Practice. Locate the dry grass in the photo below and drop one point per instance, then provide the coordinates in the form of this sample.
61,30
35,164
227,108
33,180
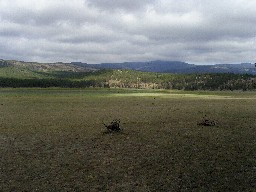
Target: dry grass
52,140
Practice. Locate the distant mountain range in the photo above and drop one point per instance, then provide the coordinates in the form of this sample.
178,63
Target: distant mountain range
175,67
145,75
151,66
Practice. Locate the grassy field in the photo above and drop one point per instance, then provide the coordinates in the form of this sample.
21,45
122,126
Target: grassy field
55,140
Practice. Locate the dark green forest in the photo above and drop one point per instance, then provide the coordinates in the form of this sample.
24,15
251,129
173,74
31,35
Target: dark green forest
128,79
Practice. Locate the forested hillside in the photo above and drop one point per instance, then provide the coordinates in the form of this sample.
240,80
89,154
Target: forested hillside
19,74
177,67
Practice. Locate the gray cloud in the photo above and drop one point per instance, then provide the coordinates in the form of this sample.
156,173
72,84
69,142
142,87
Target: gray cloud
127,5
93,31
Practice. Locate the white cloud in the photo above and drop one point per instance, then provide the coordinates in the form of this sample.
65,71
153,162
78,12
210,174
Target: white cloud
93,31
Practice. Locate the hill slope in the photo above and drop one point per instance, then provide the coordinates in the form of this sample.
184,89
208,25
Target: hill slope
178,67
21,74
151,66
20,69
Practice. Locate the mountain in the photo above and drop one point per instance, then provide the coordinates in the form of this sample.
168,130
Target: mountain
175,67
243,68
151,66
81,75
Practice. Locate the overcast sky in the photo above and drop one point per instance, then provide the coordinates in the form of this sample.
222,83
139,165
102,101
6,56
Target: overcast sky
96,31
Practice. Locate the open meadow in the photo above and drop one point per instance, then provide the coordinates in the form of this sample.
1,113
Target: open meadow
55,140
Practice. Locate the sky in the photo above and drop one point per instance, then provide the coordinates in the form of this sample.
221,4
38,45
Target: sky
98,31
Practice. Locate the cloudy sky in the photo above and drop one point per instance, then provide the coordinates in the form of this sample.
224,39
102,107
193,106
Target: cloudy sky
95,31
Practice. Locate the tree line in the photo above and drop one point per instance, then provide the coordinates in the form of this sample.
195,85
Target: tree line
140,80
213,81
44,83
